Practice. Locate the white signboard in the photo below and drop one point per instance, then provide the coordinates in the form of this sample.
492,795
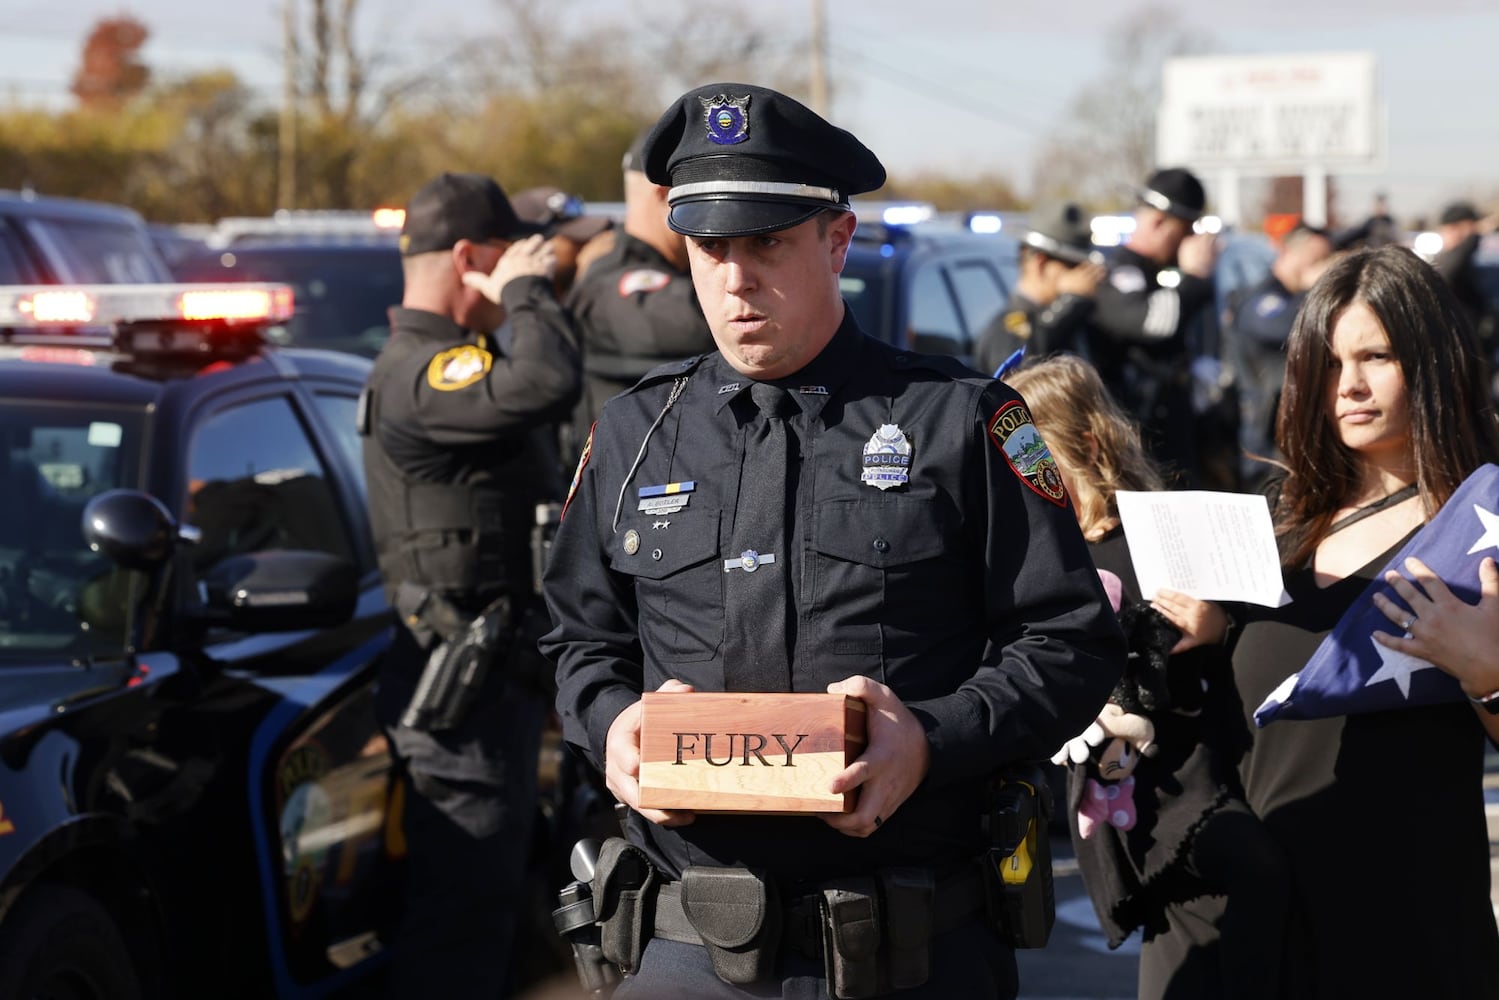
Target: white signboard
1270,114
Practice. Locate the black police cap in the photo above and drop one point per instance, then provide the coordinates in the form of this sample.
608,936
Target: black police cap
453,207
1061,231
742,160
1177,192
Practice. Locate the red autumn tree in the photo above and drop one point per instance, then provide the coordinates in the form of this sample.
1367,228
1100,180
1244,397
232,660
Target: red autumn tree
111,72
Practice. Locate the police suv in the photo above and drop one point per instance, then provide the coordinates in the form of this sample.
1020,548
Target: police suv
195,799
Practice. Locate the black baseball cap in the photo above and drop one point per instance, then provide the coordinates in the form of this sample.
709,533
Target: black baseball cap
453,207
1175,191
742,160
1062,231
559,213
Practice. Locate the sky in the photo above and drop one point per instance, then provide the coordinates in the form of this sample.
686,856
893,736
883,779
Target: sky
941,85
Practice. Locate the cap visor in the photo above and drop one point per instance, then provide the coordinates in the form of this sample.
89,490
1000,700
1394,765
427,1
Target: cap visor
738,217
581,229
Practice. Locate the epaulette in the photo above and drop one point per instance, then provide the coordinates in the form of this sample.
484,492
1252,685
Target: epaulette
670,370
940,363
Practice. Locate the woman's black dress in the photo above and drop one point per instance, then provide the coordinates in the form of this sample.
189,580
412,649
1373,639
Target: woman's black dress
1381,817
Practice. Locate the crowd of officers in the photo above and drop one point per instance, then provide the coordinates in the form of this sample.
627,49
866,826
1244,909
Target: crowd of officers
521,319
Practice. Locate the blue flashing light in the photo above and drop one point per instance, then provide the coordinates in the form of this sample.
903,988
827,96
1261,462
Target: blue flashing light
887,250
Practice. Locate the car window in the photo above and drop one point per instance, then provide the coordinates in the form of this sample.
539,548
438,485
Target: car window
934,326
15,267
56,596
255,482
96,252
981,295
341,413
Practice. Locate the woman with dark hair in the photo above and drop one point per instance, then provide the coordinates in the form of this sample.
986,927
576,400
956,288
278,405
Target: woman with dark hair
1385,411
1191,837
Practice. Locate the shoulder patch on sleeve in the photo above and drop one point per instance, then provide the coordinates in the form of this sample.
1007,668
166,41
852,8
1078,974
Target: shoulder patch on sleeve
458,367
1018,323
1015,435
644,279
578,474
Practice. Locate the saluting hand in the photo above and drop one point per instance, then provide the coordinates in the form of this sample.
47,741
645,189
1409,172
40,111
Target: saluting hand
531,257
622,763
1082,280
894,762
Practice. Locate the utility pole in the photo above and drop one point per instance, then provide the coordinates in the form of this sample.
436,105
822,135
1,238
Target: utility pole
286,176
820,97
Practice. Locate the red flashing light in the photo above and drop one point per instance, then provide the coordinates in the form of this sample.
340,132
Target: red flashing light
236,304
61,306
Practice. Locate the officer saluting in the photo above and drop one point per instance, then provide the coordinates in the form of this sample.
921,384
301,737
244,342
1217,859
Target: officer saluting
808,509
1048,311
455,459
1158,282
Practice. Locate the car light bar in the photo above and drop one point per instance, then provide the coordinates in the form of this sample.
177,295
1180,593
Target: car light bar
52,306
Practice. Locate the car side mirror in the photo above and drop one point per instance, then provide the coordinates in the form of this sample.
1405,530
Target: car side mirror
132,529
280,590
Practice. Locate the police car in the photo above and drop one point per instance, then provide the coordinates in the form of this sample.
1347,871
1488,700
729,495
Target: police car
194,797
927,286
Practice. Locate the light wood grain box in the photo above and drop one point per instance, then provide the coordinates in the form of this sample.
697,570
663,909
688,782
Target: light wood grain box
747,752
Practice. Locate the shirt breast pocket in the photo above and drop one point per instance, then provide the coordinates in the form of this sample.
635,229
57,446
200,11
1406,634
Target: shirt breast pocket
878,571
678,577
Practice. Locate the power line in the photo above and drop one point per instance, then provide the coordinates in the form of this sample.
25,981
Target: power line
943,94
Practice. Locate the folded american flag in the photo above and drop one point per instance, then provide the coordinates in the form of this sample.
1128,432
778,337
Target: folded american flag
1351,673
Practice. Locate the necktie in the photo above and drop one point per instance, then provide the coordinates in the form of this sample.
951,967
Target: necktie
757,656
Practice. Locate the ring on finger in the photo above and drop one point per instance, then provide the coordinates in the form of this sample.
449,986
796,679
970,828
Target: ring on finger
1410,620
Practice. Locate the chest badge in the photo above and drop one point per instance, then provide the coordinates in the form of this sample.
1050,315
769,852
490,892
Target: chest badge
632,542
887,458
667,498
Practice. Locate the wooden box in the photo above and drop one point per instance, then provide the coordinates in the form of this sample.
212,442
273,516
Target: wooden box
747,752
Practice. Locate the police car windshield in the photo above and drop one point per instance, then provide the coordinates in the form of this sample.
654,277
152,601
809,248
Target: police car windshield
56,597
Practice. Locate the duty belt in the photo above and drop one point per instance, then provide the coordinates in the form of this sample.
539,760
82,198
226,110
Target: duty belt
957,901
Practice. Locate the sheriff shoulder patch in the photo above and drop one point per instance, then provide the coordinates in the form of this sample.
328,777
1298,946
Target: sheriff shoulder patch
458,367
578,474
645,280
1015,434
1018,323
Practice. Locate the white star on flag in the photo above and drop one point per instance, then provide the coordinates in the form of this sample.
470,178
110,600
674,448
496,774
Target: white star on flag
1490,536
1396,666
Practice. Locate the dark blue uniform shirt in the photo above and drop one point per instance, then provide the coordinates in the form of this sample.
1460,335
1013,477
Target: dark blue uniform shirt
968,590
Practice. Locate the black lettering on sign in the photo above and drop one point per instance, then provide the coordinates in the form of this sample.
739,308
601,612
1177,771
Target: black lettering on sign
742,746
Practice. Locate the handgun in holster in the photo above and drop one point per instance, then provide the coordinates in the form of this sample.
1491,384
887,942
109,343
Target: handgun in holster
1017,867
575,921
457,666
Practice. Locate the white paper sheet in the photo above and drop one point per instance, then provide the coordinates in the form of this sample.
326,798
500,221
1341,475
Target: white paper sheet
1213,546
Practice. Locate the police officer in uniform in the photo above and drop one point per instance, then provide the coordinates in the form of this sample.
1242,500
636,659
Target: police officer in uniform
453,432
1157,284
635,307
1048,311
808,509
1259,321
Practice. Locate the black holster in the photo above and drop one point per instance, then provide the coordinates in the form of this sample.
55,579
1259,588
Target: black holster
737,912
877,932
458,666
